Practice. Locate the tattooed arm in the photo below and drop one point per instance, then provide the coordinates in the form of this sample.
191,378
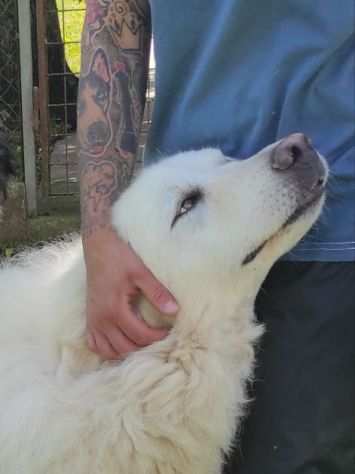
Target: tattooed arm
115,55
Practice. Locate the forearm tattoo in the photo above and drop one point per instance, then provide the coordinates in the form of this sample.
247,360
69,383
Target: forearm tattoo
115,57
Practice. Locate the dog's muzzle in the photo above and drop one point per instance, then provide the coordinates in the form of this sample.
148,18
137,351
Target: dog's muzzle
296,156
298,160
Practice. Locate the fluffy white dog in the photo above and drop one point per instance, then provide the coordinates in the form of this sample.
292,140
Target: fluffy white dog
209,228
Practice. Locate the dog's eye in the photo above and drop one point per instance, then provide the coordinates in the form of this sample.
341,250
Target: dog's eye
187,204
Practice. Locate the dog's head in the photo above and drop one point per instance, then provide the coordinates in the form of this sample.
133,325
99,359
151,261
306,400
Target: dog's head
208,226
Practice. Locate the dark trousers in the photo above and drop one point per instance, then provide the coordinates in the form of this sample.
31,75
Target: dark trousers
302,417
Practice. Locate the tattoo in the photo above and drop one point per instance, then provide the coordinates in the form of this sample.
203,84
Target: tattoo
128,105
95,130
111,102
99,190
126,20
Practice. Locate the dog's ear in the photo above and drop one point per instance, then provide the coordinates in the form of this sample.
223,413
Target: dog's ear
100,66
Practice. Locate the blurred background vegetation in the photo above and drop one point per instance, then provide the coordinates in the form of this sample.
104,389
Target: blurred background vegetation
73,23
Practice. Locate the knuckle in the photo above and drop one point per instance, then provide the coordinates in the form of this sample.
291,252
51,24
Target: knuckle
146,336
142,340
136,331
106,351
127,346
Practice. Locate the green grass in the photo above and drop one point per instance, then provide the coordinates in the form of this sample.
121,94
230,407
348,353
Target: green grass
71,30
41,229
47,228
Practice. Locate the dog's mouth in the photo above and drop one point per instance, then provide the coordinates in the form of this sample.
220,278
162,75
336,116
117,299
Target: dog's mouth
298,212
303,208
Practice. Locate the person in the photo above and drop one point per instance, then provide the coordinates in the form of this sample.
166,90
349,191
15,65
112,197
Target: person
233,74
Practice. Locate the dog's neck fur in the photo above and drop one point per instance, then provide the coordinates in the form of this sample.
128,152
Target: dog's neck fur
229,336
205,338
222,345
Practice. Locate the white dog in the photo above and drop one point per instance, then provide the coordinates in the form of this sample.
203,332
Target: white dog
209,228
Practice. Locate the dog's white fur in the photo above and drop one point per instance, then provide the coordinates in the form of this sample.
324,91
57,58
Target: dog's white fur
173,407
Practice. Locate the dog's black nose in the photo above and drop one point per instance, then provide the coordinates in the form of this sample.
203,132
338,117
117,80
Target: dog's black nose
291,149
296,153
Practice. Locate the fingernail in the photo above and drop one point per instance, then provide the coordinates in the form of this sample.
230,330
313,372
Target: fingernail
170,307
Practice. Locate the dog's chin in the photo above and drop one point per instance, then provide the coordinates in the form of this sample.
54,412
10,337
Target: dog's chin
298,223
292,230
308,210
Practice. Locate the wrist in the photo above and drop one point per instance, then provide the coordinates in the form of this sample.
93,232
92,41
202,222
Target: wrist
95,243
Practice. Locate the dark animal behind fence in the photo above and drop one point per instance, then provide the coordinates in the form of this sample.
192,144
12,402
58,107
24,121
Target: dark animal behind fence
7,169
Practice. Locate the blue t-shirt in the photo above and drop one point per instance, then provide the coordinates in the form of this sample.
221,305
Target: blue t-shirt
239,74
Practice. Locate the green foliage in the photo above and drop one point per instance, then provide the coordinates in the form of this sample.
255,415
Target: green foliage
71,18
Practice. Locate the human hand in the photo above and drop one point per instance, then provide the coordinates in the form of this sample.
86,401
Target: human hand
116,276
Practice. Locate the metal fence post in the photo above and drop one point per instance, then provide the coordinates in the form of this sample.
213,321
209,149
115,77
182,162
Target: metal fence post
29,154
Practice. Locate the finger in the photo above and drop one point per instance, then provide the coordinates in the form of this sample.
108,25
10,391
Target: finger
91,342
156,293
136,329
104,348
120,342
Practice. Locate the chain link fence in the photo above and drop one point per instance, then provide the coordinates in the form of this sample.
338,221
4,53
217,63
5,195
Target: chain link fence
56,32
63,24
10,86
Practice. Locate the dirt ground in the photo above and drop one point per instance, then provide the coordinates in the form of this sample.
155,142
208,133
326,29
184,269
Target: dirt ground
18,232
39,230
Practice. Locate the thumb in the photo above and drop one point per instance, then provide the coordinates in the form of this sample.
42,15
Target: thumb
157,294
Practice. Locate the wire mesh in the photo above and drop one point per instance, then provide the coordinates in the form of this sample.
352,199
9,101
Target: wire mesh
64,24
10,87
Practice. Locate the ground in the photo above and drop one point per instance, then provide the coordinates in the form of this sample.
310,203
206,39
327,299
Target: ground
18,232
63,215
40,229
